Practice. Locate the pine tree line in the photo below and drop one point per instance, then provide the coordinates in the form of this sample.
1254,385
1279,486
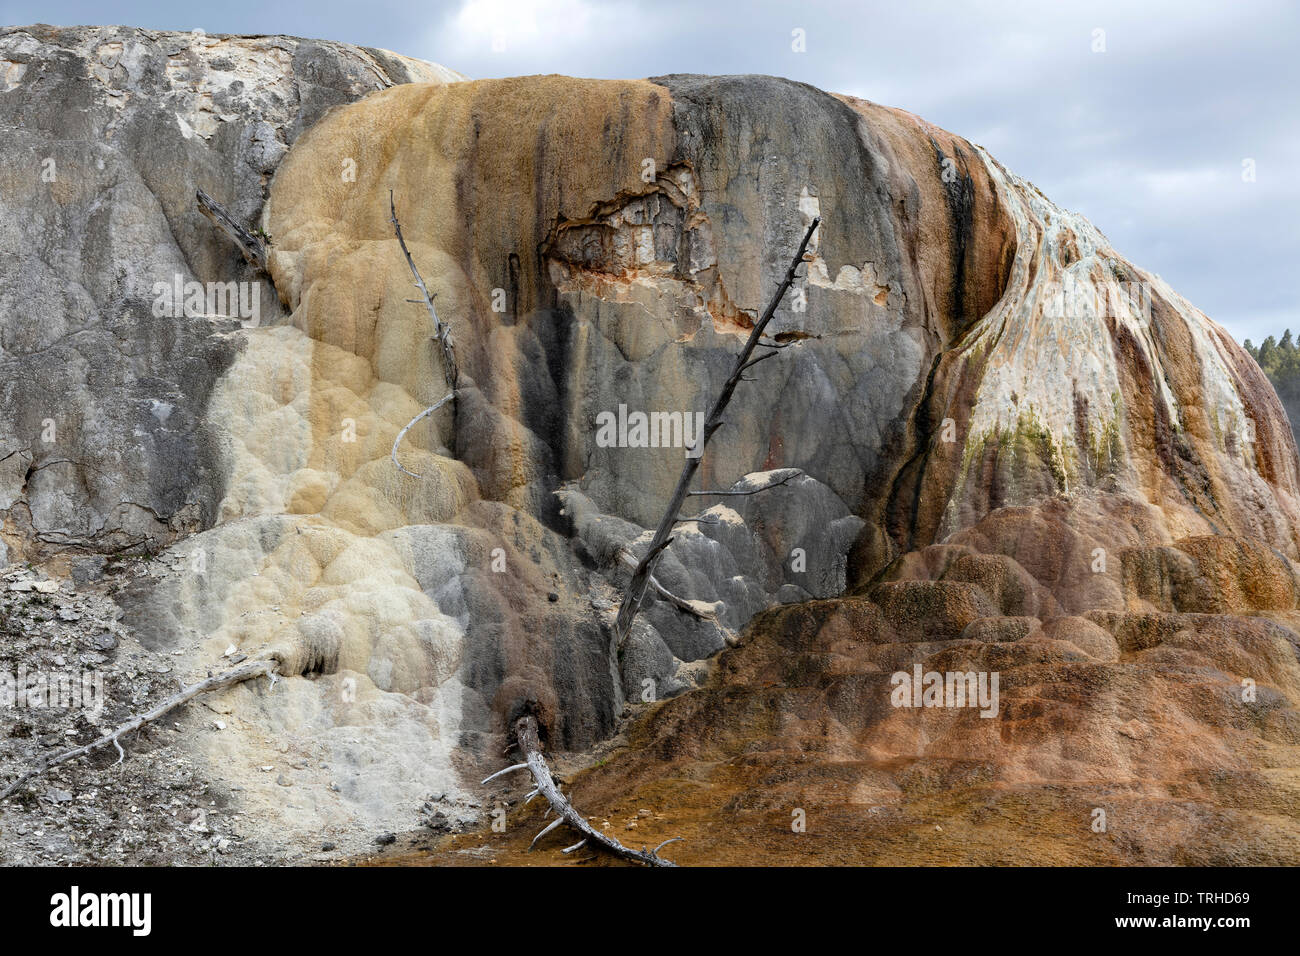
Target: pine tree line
1281,363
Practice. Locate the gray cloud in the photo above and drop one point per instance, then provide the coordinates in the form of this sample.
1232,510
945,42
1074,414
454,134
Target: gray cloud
1147,138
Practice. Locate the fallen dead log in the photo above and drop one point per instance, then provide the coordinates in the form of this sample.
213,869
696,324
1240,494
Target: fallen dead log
531,748
236,675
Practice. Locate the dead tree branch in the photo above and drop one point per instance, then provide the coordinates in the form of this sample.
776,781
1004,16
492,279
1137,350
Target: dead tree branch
635,592
701,518
235,675
531,748
441,330
402,434
699,609
752,362
252,247
788,474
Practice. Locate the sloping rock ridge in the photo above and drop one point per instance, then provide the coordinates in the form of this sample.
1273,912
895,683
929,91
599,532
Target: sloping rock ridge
1022,457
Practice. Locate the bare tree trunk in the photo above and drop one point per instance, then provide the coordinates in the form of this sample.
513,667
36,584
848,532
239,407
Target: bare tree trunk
635,592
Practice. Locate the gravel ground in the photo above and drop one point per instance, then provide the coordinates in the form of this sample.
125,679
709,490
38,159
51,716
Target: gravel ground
152,808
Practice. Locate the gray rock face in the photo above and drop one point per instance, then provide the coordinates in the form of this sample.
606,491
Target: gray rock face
736,559
109,131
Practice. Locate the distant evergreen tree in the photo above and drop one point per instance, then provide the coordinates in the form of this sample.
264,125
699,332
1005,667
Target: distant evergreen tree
1266,352
1280,361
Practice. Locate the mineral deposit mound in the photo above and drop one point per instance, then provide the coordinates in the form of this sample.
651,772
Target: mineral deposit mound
1023,462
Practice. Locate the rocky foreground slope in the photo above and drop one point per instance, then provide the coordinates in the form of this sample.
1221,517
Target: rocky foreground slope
1023,456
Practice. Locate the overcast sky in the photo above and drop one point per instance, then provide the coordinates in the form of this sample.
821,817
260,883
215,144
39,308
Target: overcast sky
1141,119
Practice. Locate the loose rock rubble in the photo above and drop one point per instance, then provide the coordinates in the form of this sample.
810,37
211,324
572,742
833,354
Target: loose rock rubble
152,808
